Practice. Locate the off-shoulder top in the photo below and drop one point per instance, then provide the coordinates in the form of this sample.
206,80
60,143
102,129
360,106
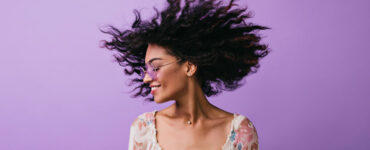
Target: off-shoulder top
143,134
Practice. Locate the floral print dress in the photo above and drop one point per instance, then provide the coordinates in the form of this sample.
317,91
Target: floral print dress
143,134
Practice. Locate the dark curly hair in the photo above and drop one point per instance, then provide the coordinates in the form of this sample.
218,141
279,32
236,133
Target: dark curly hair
212,36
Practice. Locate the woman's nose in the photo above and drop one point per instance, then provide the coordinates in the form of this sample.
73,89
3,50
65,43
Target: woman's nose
147,78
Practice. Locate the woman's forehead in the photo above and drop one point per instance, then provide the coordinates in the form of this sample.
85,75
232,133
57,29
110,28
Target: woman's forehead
155,53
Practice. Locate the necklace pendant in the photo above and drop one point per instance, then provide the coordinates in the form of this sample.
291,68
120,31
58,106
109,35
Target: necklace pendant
189,122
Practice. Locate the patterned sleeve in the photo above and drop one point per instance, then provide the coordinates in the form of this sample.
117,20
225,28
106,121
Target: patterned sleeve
132,143
246,137
138,134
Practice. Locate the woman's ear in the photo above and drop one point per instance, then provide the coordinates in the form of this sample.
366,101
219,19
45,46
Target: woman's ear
191,68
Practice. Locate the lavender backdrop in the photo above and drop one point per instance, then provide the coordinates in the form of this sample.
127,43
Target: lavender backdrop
60,91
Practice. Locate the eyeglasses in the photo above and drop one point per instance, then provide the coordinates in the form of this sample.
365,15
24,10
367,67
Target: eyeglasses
152,70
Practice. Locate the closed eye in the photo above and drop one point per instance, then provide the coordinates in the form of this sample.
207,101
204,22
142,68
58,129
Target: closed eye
155,68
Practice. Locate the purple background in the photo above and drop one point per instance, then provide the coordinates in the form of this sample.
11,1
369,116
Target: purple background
60,91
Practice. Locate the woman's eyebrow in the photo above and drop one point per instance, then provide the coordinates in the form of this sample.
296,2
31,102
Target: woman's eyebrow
151,60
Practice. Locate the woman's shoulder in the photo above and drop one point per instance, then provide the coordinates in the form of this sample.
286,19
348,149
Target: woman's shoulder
142,131
244,133
241,121
144,119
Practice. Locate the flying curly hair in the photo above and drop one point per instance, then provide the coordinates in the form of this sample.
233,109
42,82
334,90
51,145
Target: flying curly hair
213,36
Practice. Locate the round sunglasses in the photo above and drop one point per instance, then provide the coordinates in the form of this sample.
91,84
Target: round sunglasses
152,70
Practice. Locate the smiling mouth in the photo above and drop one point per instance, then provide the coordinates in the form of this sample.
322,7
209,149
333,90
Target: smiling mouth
153,89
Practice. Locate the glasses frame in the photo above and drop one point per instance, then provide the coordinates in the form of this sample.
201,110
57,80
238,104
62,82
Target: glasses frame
153,70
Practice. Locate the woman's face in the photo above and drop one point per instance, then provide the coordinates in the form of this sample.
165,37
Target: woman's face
171,78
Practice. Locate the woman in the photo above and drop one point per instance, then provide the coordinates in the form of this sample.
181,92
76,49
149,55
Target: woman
187,57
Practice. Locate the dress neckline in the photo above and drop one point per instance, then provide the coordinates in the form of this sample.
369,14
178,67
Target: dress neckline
227,138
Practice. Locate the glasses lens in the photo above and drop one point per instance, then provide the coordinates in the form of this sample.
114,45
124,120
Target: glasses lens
150,72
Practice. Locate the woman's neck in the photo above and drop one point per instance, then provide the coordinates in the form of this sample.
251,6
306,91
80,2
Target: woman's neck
192,106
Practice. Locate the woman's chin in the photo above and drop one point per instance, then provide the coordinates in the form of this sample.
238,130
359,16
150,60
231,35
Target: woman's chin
159,100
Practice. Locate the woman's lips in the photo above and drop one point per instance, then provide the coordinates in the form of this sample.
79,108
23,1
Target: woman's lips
153,90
